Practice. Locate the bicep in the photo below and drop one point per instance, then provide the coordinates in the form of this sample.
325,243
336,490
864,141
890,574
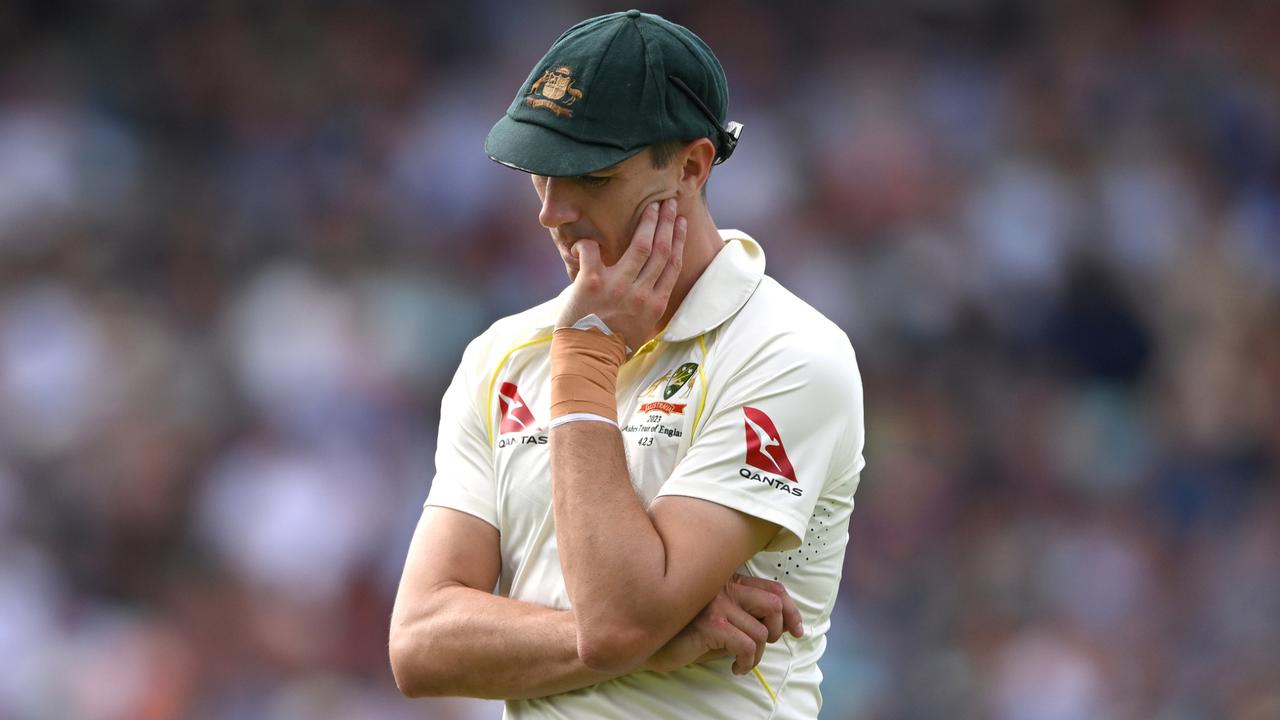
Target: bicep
449,547
705,544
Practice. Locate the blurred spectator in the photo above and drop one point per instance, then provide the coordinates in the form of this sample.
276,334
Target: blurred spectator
242,246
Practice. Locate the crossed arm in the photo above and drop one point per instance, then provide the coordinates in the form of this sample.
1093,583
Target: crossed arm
636,577
451,636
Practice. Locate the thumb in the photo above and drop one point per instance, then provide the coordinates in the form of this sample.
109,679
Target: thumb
588,252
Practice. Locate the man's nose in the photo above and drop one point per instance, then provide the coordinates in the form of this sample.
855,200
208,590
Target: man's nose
558,207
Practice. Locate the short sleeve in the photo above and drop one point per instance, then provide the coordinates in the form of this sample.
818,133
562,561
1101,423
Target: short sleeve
464,477
782,429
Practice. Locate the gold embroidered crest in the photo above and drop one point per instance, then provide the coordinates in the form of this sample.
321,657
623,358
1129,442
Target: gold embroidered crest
679,378
556,90
672,382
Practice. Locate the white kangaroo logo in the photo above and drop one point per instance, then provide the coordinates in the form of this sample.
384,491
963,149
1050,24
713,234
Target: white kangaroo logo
513,404
766,442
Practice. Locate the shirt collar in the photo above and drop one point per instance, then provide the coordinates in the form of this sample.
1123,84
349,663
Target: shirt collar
719,293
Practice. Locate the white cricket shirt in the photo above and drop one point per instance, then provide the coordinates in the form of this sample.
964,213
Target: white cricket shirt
750,398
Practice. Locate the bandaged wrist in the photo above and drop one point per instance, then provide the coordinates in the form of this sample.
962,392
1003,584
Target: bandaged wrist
584,373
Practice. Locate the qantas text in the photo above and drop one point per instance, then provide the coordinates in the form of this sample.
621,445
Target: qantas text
522,440
775,483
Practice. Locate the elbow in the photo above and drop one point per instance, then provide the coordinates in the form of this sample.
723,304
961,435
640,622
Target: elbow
615,649
409,680
415,675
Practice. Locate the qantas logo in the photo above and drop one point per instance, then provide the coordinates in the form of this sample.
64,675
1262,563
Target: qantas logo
516,416
764,445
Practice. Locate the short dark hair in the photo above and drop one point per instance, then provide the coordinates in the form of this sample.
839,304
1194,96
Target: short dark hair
662,153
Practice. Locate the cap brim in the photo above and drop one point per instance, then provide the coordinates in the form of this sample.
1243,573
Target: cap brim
535,149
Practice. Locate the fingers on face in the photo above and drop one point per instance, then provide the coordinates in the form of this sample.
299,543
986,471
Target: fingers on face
637,254
671,269
588,253
661,245
662,234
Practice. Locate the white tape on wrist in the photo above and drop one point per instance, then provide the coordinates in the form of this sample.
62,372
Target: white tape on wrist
576,417
593,321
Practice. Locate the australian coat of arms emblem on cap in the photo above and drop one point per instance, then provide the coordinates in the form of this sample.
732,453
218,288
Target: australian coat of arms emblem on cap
554,91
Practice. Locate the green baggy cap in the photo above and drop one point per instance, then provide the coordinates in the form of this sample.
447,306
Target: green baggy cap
609,87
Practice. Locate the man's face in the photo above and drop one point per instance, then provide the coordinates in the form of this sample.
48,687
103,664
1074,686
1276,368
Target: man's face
604,206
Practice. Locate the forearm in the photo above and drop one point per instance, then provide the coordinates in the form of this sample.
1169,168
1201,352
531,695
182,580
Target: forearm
472,643
613,557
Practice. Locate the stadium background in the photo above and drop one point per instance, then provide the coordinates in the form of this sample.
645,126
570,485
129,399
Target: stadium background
242,245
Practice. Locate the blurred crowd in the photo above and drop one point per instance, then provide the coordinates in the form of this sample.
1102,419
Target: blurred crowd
242,245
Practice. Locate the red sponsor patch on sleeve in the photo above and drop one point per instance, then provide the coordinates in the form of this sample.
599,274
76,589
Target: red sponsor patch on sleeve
764,445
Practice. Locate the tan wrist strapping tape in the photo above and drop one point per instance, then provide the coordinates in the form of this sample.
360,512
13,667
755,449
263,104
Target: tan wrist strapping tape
584,372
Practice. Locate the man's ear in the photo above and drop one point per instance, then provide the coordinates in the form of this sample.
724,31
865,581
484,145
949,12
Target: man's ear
695,162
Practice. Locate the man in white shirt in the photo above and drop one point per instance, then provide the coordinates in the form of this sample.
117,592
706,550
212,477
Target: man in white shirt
641,483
